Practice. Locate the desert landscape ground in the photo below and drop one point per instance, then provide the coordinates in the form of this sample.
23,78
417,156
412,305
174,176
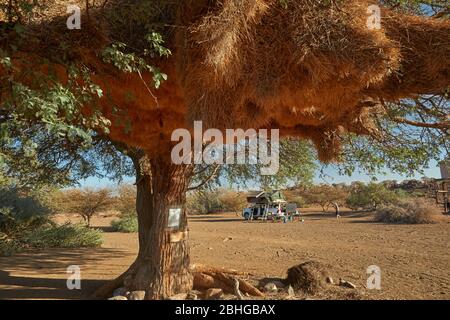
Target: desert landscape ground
414,259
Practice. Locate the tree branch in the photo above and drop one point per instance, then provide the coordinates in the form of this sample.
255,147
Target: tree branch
207,179
437,125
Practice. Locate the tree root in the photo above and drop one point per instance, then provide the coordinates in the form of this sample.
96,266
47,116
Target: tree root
205,269
208,277
205,277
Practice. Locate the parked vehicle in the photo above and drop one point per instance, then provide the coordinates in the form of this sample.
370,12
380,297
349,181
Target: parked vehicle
269,206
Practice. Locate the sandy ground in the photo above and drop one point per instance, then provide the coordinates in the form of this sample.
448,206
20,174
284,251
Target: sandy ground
414,259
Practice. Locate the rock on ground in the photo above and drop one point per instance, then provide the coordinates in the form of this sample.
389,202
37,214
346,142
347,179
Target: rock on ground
271,287
137,295
213,294
122,291
346,284
118,298
180,296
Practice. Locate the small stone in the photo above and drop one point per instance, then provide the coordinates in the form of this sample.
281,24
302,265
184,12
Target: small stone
279,284
213,294
291,291
118,298
192,296
122,291
270,287
346,284
180,296
227,239
136,295
330,280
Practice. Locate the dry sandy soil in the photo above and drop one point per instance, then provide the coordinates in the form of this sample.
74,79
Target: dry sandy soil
414,259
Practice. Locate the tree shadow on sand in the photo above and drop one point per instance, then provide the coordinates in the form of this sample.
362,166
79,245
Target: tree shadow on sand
43,274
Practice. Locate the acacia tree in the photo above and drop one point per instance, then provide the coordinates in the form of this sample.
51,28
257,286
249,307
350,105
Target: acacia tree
86,202
208,80
323,195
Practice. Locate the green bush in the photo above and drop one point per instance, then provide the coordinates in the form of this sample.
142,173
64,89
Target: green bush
9,247
372,196
25,223
127,224
415,211
21,213
64,236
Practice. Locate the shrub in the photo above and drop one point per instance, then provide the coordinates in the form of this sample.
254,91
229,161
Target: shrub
372,196
323,195
20,213
25,223
126,223
64,236
9,247
293,197
233,201
85,202
203,202
126,200
416,211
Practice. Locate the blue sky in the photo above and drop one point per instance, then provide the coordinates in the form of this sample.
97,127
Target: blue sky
331,176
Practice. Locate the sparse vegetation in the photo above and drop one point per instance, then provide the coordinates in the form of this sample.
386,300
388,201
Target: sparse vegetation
233,201
126,224
203,202
126,200
415,211
25,223
85,202
64,236
372,196
322,195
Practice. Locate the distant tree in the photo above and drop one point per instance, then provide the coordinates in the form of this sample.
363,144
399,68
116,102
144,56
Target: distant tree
324,195
203,202
85,202
371,196
126,200
233,201
293,196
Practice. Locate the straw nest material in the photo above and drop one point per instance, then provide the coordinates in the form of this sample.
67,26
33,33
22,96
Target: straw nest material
312,69
310,277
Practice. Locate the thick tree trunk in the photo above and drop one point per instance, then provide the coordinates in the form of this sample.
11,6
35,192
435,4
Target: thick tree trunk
162,265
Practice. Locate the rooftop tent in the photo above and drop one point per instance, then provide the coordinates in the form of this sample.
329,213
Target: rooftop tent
262,197
277,196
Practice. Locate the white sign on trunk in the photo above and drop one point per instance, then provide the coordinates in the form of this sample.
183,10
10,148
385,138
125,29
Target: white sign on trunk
174,218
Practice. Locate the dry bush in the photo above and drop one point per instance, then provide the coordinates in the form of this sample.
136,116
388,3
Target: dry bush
126,200
233,201
309,277
323,195
85,202
416,211
203,202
